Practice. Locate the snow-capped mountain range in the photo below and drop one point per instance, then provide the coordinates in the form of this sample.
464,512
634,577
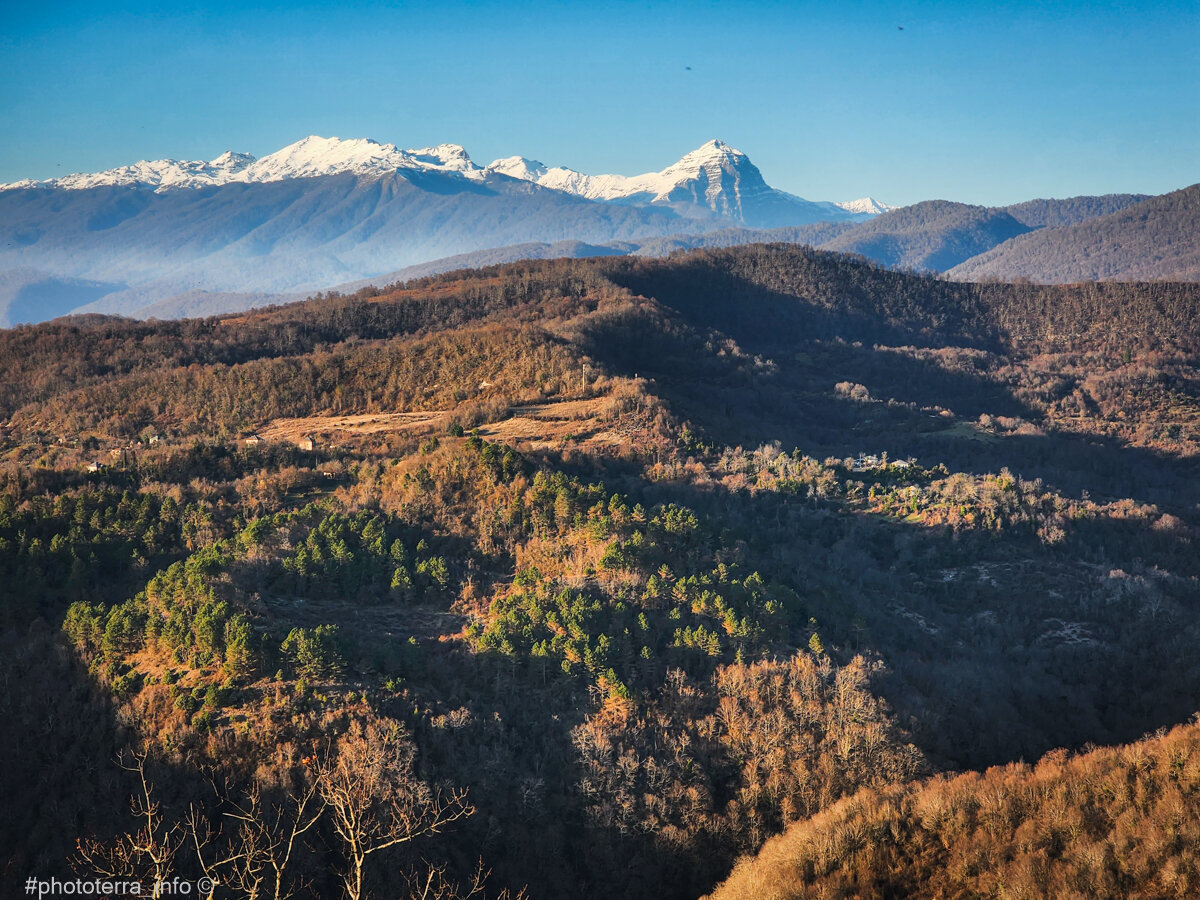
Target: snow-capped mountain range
713,176
313,157
326,211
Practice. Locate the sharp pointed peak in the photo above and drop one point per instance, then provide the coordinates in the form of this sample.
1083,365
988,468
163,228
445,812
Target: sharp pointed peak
714,147
232,158
865,206
709,153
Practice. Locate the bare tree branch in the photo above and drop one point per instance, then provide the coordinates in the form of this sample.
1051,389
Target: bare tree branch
375,801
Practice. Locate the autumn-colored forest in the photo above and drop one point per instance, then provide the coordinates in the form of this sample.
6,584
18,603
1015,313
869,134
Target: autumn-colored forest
592,578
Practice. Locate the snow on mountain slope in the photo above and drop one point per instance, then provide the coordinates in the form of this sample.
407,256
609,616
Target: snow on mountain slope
866,206
446,158
714,178
312,157
161,174
710,160
517,167
316,156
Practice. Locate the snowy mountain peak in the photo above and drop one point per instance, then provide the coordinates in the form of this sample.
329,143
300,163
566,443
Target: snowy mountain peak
315,156
311,157
232,161
866,206
449,157
703,164
713,151
715,171
517,167
442,152
715,176
160,174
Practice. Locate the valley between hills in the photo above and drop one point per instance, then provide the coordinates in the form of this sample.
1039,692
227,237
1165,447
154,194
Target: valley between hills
754,571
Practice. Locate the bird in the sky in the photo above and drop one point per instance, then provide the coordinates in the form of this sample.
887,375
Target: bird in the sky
689,68
900,27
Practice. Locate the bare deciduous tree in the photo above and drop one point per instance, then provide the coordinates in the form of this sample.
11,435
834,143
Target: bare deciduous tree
148,853
255,858
429,882
375,801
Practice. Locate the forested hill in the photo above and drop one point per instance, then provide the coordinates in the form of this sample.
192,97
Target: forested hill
589,576
1109,823
1153,239
934,235
1050,213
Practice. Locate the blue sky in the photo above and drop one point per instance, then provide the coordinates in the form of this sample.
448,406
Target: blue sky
981,102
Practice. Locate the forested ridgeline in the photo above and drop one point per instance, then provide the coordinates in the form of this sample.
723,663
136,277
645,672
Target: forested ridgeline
1151,240
844,296
931,235
45,360
1050,213
590,575
778,292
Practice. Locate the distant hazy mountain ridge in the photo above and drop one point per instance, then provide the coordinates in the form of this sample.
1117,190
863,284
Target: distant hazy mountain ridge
171,238
326,211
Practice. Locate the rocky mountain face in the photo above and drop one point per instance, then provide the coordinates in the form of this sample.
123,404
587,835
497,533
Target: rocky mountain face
715,178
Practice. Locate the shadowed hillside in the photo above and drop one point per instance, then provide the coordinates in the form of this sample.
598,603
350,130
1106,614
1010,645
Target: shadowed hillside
1153,239
597,573
934,235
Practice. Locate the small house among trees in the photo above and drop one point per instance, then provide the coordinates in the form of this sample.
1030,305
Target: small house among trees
307,442
866,462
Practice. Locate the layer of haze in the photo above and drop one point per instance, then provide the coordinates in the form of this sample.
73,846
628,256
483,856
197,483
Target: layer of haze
981,102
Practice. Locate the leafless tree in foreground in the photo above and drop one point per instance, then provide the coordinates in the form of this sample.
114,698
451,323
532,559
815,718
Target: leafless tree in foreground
254,860
429,882
365,786
375,801
146,855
